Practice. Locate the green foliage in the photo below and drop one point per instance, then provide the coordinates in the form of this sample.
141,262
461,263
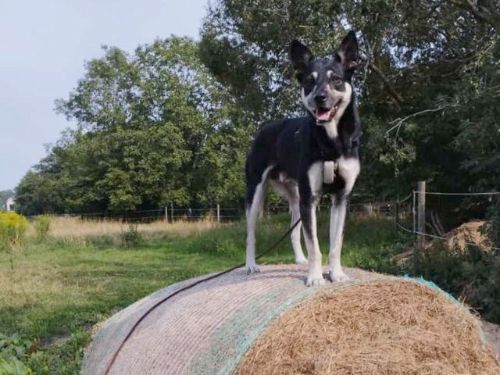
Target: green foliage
363,233
429,72
13,354
471,274
12,229
18,355
153,128
66,356
493,225
131,237
42,226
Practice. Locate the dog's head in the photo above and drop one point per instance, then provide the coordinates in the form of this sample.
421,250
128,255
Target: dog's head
326,82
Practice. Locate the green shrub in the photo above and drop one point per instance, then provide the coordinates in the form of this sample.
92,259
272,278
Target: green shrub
13,354
42,226
12,229
131,237
492,227
471,274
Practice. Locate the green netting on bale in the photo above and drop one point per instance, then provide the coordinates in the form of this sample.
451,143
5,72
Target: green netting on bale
204,330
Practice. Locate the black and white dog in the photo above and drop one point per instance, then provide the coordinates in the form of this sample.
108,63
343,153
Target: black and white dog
305,157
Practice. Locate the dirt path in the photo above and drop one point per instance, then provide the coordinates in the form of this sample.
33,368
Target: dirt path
492,332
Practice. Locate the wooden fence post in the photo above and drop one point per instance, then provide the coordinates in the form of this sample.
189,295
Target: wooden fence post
218,212
370,209
421,214
166,214
172,212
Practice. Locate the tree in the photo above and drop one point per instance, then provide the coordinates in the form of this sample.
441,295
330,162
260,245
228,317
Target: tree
427,66
153,128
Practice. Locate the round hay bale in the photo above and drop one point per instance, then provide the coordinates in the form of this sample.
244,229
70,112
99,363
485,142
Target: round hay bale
382,327
458,239
270,323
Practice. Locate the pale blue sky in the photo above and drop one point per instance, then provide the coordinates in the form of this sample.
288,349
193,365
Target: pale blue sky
43,47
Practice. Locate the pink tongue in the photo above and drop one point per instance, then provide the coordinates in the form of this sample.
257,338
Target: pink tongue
323,115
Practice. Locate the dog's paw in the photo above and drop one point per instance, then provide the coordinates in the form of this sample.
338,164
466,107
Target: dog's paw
252,268
339,276
315,281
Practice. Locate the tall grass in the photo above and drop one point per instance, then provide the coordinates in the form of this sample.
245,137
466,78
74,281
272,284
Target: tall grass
110,231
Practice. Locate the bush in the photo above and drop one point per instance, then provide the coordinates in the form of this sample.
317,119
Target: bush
42,226
493,225
13,352
12,229
131,237
471,274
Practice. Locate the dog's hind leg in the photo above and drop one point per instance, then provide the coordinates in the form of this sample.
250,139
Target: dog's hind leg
295,236
290,192
256,194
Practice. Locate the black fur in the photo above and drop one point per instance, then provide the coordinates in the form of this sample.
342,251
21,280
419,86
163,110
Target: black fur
292,146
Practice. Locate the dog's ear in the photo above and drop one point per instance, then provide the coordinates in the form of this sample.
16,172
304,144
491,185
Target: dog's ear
300,57
347,53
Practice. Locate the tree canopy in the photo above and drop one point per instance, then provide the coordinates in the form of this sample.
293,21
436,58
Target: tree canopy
173,121
153,128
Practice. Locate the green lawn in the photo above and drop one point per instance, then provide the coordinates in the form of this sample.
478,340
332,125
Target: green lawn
57,290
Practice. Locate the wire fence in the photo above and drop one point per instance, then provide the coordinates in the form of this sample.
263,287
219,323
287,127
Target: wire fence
218,213
443,212
442,216
167,214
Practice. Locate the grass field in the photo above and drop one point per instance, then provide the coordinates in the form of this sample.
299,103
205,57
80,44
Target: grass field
55,291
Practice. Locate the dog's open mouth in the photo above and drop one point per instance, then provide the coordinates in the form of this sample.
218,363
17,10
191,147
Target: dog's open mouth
326,114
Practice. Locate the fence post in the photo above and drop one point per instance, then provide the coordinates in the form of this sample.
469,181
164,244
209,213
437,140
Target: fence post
421,214
172,212
166,214
370,209
218,212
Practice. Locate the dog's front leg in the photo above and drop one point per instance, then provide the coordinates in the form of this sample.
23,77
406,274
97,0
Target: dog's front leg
310,188
337,221
348,169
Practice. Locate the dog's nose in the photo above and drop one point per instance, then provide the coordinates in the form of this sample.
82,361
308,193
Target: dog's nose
321,98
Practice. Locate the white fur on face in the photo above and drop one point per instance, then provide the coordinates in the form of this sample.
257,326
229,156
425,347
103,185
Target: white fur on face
345,96
331,127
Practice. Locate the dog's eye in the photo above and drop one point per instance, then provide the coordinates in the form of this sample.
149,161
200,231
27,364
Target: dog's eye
310,79
336,80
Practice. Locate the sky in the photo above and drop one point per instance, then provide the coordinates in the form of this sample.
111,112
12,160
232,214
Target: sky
43,48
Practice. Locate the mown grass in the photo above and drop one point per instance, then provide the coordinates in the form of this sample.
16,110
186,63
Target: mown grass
59,288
